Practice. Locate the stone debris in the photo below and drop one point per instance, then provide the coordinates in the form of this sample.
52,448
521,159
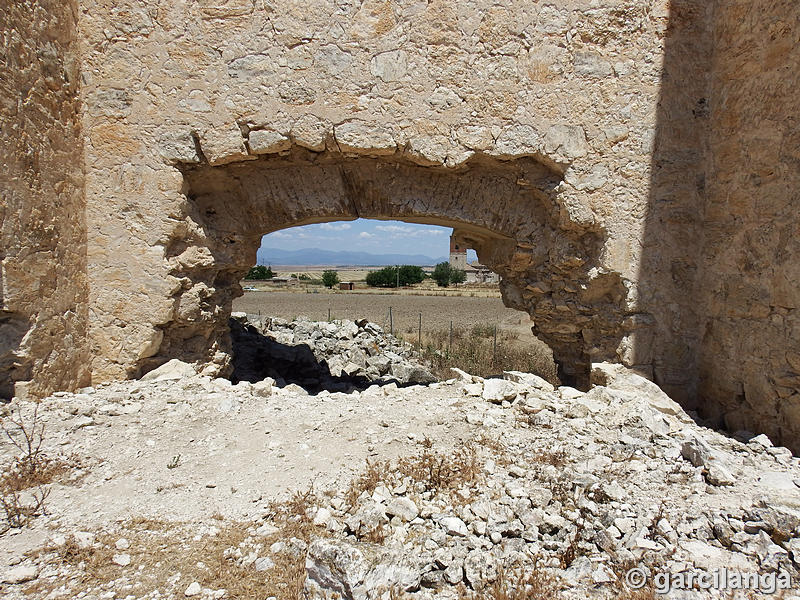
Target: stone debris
336,355
481,478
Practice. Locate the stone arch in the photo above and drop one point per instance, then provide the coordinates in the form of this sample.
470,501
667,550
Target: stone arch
509,211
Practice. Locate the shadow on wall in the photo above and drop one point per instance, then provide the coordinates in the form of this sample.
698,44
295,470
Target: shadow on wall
13,328
672,238
720,244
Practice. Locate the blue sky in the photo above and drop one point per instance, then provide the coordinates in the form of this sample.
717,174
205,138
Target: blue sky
366,235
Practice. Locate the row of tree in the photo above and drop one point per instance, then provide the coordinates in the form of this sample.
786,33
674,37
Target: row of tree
394,276
443,274
259,273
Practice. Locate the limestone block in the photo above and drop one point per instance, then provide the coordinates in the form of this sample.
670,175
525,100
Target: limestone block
267,141
476,137
171,370
518,140
587,179
223,145
426,150
361,137
389,66
311,132
333,59
590,64
564,143
178,147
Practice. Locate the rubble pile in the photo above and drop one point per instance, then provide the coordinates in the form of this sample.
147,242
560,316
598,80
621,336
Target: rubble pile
457,489
336,356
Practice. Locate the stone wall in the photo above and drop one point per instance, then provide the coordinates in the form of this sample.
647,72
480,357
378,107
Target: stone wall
629,167
749,368
43,287
437,85
668,278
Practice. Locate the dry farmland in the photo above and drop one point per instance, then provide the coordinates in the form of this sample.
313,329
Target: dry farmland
437,311
473,318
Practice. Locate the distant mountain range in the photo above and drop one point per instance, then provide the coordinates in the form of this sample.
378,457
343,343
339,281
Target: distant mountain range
317,257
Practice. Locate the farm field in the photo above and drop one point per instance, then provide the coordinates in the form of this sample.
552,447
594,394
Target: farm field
437,311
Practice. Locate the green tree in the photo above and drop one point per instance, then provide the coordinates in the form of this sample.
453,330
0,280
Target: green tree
330,278
411,274
457,276
389,276
442,273
385,277
260,272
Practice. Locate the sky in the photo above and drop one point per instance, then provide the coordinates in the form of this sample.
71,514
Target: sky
366,235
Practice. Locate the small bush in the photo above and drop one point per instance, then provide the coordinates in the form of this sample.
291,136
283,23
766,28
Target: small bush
23,491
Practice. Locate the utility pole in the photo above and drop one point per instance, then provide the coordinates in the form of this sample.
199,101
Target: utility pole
398,276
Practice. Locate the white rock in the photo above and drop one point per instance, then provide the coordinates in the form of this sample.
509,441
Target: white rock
716,463
84,539
194,589
528,380
403,508
473,389
263,563
267,141
454,526
618,377
264,387
123,560
172,370
389,66
322,517
762,442
569,393
267,529
480,568
777,480
465,377
365,138
335,566
20,574
497,390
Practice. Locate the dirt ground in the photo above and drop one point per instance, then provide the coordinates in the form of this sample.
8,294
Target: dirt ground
437,311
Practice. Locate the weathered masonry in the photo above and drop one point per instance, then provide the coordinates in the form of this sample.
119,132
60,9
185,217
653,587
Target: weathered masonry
629,167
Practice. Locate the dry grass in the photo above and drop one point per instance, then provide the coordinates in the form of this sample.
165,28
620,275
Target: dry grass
537,584
557,458
369,479
432,470
475,351
442,471
166,557
496,448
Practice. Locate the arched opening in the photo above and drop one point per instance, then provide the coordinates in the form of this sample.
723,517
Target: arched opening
398,307
507,210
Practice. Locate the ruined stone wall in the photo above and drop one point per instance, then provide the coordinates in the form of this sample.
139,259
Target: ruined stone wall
43,287
573,86
749,365
629,167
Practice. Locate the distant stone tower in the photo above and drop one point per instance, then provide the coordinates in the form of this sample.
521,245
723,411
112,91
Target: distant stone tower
458,255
